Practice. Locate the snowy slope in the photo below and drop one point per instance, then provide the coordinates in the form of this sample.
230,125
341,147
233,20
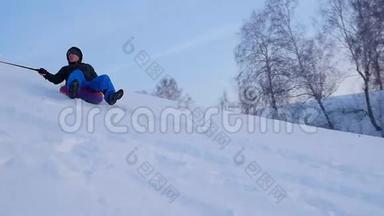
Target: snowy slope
47,171
347,113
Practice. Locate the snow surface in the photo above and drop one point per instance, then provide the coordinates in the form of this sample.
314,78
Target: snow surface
47,171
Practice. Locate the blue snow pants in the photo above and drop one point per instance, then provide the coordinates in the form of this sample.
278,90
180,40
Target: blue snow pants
101,83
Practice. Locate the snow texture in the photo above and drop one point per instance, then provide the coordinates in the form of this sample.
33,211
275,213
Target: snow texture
45,170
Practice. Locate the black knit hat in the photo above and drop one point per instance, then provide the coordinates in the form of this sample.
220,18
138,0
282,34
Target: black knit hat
76,51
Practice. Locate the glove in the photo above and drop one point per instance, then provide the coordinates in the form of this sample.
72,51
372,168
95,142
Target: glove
42,72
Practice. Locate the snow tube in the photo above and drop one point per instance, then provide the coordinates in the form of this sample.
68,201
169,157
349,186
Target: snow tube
86,94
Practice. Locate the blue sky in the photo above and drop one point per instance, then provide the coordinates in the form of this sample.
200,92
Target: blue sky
193,40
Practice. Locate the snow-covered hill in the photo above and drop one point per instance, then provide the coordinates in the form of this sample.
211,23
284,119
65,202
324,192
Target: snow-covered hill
51,166
347,113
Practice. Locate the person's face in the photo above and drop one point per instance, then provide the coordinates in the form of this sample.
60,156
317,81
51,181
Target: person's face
73,58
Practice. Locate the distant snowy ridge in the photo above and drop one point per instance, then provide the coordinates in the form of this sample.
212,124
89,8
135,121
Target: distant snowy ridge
347,113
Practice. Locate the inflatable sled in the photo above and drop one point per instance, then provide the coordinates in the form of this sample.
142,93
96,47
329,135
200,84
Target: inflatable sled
86,94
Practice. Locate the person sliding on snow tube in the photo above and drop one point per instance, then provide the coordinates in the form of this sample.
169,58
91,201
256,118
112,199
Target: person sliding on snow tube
80,75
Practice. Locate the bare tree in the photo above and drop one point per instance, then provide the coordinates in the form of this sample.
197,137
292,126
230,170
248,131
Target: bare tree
316,77
375,12
262,78
309,58
352,21
168,89
224,102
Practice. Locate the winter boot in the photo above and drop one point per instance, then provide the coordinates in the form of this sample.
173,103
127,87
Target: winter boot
115,96
74,89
